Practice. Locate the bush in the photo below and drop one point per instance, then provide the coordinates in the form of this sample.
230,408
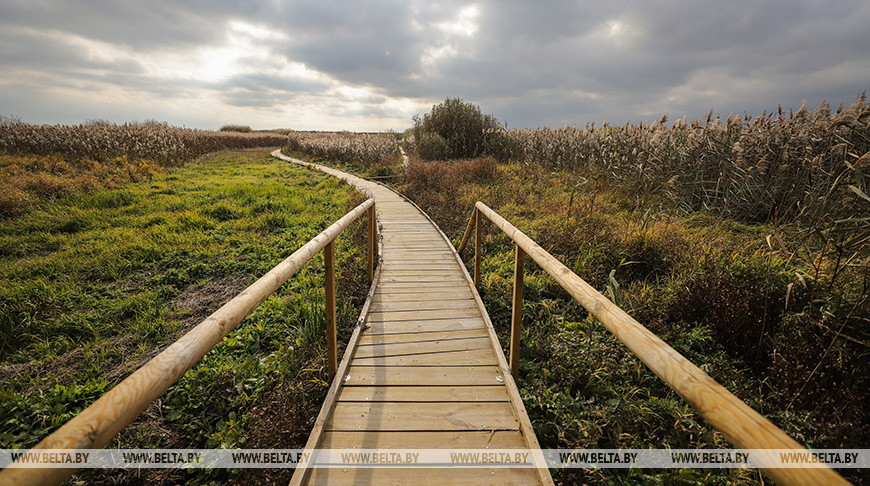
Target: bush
433,147
466,132
236,128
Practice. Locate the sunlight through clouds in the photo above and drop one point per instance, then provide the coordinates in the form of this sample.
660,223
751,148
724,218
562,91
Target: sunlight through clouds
372,65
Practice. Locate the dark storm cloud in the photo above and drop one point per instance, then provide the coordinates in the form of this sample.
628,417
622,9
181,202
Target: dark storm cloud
530,63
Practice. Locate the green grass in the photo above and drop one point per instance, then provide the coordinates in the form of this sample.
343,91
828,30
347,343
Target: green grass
92,286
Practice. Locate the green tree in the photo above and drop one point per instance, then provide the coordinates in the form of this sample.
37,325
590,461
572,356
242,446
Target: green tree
455,130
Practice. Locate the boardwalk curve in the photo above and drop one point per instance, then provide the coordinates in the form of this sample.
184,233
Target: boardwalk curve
425,370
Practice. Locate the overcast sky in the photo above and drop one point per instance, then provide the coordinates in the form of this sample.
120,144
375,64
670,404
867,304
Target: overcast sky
370,65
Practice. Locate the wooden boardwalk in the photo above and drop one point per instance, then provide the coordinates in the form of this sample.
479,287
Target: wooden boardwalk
425,371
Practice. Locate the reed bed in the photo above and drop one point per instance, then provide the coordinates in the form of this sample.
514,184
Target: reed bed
159,143
774,167
365,149
47,161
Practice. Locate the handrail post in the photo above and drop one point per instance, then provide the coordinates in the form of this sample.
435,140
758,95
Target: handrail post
467,233
372,243
477,255
331,333
517,315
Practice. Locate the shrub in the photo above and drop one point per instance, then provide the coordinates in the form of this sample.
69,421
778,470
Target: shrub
466,131
433,147
236,128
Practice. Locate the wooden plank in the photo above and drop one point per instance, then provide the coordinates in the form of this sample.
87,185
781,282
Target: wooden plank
423,375
441,294
422,346
418,246
408,220
491,393
413,341
421,264
441,252
446,274
388,326
412,264
393,247
426,314
411,256
470,357
445,295
421,267
408,295
404,236
446,439
432,258
454,279
422,304
367,339
388,287
398,281
428,241
414,416
423,476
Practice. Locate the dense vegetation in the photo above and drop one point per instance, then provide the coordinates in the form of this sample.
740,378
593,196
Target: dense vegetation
236,128
94,284
364,150
47,161
455,129
744,245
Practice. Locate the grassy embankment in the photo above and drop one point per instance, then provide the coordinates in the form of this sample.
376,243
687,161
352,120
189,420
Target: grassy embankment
95,282
741,245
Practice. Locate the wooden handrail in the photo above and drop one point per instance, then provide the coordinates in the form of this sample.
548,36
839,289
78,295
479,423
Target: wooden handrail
739,423
95,426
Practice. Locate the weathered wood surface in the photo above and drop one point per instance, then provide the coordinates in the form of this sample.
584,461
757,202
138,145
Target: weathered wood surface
426,370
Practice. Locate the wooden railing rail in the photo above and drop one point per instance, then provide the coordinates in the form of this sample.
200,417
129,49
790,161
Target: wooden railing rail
95,426
739,423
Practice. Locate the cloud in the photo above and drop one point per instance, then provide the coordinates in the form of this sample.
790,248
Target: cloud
372,65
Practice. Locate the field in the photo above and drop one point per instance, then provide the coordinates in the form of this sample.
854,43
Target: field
743,243
94,283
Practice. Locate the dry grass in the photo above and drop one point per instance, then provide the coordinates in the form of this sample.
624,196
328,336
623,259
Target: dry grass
774,167
159,143
364,149
48,161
